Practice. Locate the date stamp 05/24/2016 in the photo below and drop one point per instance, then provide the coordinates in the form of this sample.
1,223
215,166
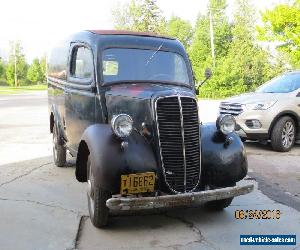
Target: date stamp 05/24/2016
265,214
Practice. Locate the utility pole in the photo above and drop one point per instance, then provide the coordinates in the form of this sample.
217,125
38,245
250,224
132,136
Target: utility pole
211,28
15,57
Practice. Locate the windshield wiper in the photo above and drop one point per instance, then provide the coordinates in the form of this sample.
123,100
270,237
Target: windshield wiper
151,57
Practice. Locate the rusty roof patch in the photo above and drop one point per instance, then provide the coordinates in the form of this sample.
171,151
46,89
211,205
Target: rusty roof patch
126,32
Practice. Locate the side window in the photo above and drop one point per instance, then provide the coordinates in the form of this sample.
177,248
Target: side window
180,70
82,63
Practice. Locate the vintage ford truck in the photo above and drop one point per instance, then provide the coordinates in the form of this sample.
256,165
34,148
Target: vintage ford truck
125,105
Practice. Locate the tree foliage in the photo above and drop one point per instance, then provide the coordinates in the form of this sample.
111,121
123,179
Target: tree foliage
241,64
16,56
282,24
2,69
43,65
200,50
140,15
34,73
180,29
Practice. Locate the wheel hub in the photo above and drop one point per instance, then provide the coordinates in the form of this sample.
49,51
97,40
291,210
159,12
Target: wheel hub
288,134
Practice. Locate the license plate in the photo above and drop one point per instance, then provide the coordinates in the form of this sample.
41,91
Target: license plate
137,183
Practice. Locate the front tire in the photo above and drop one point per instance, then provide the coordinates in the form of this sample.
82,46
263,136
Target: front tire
59,151
97,198
283,134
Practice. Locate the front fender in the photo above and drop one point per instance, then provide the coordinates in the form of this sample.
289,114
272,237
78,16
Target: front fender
223,163
109,161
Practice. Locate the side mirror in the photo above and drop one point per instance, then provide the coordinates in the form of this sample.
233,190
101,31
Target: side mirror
208,73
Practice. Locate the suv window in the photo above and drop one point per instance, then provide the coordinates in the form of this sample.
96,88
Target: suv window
82,63
282,84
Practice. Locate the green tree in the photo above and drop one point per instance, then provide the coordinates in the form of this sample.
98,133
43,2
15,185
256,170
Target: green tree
246,65
140,15
2,69
200,50
34,73
43,64
16,56
180,29
282,24
241,64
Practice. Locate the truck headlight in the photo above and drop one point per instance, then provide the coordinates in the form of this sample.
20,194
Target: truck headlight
226,124
259,105
121,125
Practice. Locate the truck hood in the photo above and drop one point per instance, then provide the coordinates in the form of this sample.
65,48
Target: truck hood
145,91
136,100
253,97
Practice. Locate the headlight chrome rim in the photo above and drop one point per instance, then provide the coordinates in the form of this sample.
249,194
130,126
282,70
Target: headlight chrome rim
115,122
221,122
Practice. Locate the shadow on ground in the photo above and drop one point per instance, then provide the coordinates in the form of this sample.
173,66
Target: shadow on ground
259,148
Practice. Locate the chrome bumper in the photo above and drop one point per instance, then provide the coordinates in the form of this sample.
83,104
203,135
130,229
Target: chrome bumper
185,199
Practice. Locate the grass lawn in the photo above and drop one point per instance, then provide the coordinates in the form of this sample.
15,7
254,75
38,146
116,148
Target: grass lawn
7,90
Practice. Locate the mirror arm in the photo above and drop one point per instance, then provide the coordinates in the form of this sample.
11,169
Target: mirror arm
201,83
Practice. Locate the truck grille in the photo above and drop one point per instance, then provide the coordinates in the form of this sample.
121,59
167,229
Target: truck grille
230,108
179,135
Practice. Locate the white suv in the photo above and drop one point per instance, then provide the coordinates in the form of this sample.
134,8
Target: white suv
272,112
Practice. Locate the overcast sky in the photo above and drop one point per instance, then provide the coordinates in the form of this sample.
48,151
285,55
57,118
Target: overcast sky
39,24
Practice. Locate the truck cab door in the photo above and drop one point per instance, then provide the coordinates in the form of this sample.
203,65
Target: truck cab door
80,95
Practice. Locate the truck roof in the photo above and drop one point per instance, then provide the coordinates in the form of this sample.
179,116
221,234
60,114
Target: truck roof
126,32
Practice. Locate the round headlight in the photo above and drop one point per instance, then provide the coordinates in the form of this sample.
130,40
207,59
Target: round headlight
226,123
121,125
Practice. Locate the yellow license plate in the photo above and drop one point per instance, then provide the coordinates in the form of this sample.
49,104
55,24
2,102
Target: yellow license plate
137,183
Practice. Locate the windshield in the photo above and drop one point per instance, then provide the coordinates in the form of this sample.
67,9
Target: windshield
281,84
143,65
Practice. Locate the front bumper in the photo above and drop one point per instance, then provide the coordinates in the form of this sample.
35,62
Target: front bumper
265,117
177,200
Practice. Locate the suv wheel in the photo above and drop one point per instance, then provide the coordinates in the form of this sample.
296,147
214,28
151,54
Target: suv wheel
283,134
59,151
97,198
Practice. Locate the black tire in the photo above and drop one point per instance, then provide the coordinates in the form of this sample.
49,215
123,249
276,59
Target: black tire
243,139
218,204
59,150
278,133
97,198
